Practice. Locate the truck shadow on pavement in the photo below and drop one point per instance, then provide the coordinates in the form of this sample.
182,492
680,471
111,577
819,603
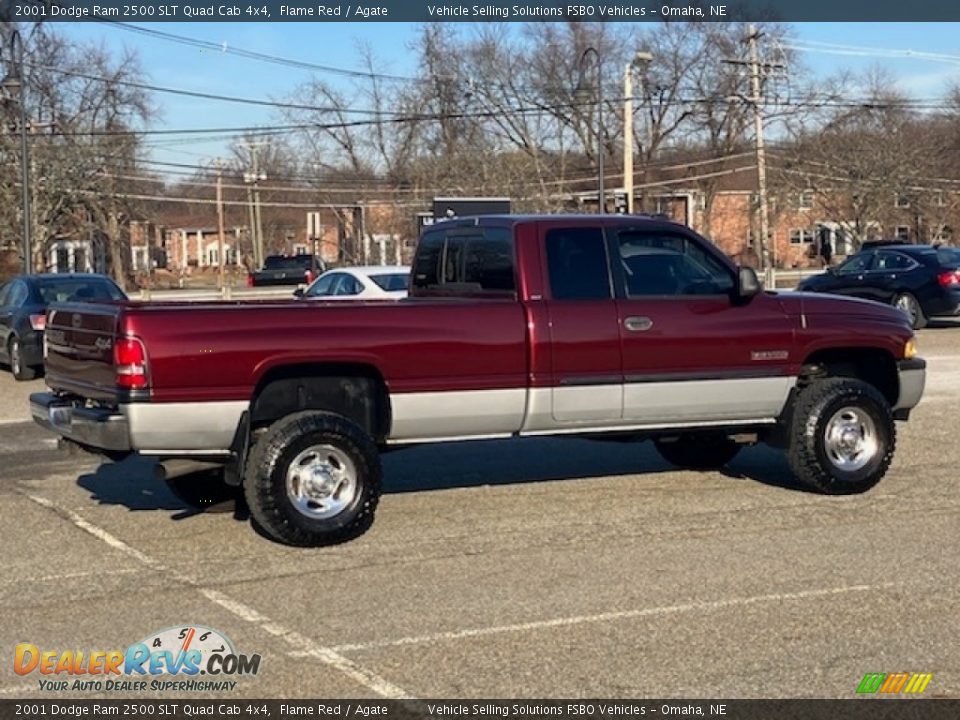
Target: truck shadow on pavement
134,484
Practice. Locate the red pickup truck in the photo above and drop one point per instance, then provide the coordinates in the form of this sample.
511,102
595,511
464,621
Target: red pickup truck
619,327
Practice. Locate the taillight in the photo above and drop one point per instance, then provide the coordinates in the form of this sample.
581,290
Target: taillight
308,276
130,363
949,279
249,280
38,322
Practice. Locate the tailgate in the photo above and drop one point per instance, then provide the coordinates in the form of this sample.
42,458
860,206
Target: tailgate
79,340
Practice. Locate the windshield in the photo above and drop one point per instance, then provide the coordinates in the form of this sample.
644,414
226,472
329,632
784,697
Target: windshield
394,282
78,289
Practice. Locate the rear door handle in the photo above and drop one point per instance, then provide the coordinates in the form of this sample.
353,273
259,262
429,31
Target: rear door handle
637,323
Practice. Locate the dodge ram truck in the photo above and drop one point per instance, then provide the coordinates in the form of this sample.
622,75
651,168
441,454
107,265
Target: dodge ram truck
617,327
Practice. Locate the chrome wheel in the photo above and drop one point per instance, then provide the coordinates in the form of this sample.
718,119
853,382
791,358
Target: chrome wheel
851,439
907,305
321,482
15,361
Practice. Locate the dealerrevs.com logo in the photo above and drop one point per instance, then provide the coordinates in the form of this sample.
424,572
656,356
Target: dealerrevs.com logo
178,659
899,683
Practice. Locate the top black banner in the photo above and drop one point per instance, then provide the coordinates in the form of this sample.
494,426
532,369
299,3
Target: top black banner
483,11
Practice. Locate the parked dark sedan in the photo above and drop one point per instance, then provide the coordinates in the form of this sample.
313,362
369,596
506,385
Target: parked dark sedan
287,270
23,307
921,280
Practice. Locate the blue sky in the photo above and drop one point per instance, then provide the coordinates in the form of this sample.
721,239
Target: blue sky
335,44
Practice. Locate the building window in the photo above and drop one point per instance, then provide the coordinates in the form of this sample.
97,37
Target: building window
799,236
300,250
805,200
944,233
903,233
902,201
939,199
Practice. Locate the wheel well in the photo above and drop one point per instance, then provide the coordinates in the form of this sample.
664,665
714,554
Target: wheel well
357,392
872,365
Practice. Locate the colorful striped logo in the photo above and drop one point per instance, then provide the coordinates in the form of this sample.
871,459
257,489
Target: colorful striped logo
894,683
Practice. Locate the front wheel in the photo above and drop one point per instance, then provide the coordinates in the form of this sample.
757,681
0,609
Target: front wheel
911,308
313,479
842,436
698,451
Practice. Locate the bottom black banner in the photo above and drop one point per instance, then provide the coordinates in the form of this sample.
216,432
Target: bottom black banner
853,709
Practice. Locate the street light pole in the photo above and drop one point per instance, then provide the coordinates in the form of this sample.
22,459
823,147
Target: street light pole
15,83
581,92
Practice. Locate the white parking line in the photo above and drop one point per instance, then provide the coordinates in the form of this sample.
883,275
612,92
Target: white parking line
66,576
607,617
304,646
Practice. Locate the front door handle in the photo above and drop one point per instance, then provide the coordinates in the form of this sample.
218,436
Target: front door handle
637,323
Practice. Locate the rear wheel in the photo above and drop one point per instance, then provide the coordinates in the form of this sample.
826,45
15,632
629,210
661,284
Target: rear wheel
911,308
313,479
698,451
842,436
20,370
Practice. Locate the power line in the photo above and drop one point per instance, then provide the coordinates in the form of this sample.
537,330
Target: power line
226,48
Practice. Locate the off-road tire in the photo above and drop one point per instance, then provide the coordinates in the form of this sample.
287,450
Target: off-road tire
265,480
20,370
698,451
919,320
815,407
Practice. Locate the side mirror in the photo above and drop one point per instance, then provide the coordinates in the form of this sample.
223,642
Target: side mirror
298,293
831,270
748,284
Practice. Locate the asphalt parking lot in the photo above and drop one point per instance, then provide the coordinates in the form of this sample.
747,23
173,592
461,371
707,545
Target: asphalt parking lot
541,568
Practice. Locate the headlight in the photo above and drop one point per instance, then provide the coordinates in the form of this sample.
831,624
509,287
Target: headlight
910,349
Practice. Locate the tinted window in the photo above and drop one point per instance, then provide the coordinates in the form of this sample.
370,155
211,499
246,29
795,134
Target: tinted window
17,295
655,264
577,264
893,261
948,256
322,286
465,259
488,260
347,285
427,264
78,290
282,262
856,264
393,282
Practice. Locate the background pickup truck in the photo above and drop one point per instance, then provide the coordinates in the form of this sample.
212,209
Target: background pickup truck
620,327
287,270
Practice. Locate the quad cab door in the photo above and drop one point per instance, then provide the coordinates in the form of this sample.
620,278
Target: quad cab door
693,352
587,379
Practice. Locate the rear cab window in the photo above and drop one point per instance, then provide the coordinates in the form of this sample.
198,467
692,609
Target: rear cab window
466,261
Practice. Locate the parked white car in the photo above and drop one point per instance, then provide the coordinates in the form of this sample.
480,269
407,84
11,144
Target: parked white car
366,282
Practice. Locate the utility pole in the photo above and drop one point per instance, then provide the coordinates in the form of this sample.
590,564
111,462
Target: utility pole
757,68
253,177
224,290
756,99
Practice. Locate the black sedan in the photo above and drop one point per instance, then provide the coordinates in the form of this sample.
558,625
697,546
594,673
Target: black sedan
23,307
921,280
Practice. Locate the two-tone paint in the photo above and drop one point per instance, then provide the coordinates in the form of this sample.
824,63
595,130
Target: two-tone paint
457,368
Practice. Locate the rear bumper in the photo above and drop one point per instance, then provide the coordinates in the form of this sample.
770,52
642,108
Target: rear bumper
93,427
913,376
